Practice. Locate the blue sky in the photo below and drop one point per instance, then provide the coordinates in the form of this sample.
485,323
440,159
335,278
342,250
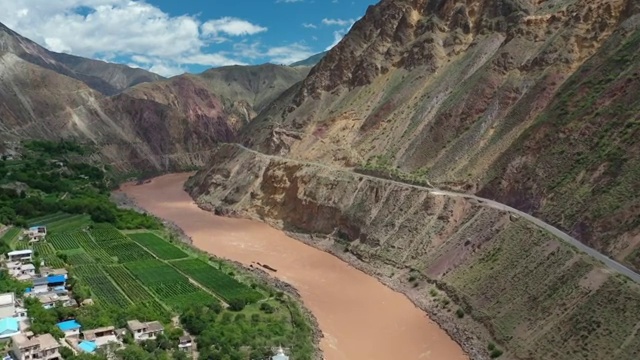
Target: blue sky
175,36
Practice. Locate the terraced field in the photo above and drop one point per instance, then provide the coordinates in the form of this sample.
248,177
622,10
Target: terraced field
132,287
10,235
159,247
69,223
126,251
105,292
68,241
217,281
168,284
79,258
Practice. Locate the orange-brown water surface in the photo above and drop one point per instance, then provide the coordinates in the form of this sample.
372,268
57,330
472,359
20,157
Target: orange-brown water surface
360,317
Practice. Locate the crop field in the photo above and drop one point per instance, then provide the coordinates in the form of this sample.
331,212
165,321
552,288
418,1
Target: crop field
68,241
106,293
102,233
79,258
75,222
96,251
132,287
168,284
53,261
126,251
48,219
43,249
10,235
217,281
158,246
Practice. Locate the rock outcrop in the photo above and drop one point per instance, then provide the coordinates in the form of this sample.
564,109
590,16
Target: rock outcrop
514,284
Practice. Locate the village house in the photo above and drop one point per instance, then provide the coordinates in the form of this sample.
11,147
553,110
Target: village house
21,271
101,336
36,233
47,271
70,328
9,327
24,256
144,330
42,347
7,305
50,299
12,316
185,343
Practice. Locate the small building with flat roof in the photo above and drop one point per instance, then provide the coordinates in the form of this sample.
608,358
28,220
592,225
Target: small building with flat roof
87,346
185,343
20,255
7,305
70,328
145,330
9,327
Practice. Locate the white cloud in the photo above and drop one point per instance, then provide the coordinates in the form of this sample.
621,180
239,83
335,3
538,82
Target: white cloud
131,31
309,26
337,22
285,54
340,33
231,26
288,1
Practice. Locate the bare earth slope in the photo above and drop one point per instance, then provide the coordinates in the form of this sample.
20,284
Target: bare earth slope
532,103
520,287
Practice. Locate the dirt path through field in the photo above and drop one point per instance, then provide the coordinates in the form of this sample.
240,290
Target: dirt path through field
361,318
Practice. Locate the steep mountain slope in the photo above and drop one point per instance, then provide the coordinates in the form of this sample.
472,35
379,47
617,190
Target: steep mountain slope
484,275
530,102
104,77
258,85
132,134
160,126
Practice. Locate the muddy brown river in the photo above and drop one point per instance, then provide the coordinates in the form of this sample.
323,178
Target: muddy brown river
361,319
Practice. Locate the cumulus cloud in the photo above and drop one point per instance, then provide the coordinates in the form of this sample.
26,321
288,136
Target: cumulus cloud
231,26
309,26
337,22
130,31
286,54
288,1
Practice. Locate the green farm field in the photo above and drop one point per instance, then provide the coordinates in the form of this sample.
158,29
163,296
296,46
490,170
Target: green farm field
159,247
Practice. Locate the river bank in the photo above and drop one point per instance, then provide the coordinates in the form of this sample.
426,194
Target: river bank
360,317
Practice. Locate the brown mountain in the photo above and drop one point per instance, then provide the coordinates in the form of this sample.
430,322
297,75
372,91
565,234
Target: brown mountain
167,124
529,102
104,77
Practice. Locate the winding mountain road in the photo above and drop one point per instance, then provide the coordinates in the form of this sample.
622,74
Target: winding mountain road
607,261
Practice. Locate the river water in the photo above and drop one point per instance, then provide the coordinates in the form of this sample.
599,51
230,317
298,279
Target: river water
361,319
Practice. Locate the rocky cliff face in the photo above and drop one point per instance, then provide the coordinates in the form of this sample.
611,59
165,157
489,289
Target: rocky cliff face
518,286
529,102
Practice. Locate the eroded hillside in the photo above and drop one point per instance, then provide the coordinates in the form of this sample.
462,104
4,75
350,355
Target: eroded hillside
520,287
154,126
529,102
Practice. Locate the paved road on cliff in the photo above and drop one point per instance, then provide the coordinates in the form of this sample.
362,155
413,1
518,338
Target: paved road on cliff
616,266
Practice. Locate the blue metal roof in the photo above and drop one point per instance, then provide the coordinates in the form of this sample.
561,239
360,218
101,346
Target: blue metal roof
52,279
87,346
9,325
68,325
